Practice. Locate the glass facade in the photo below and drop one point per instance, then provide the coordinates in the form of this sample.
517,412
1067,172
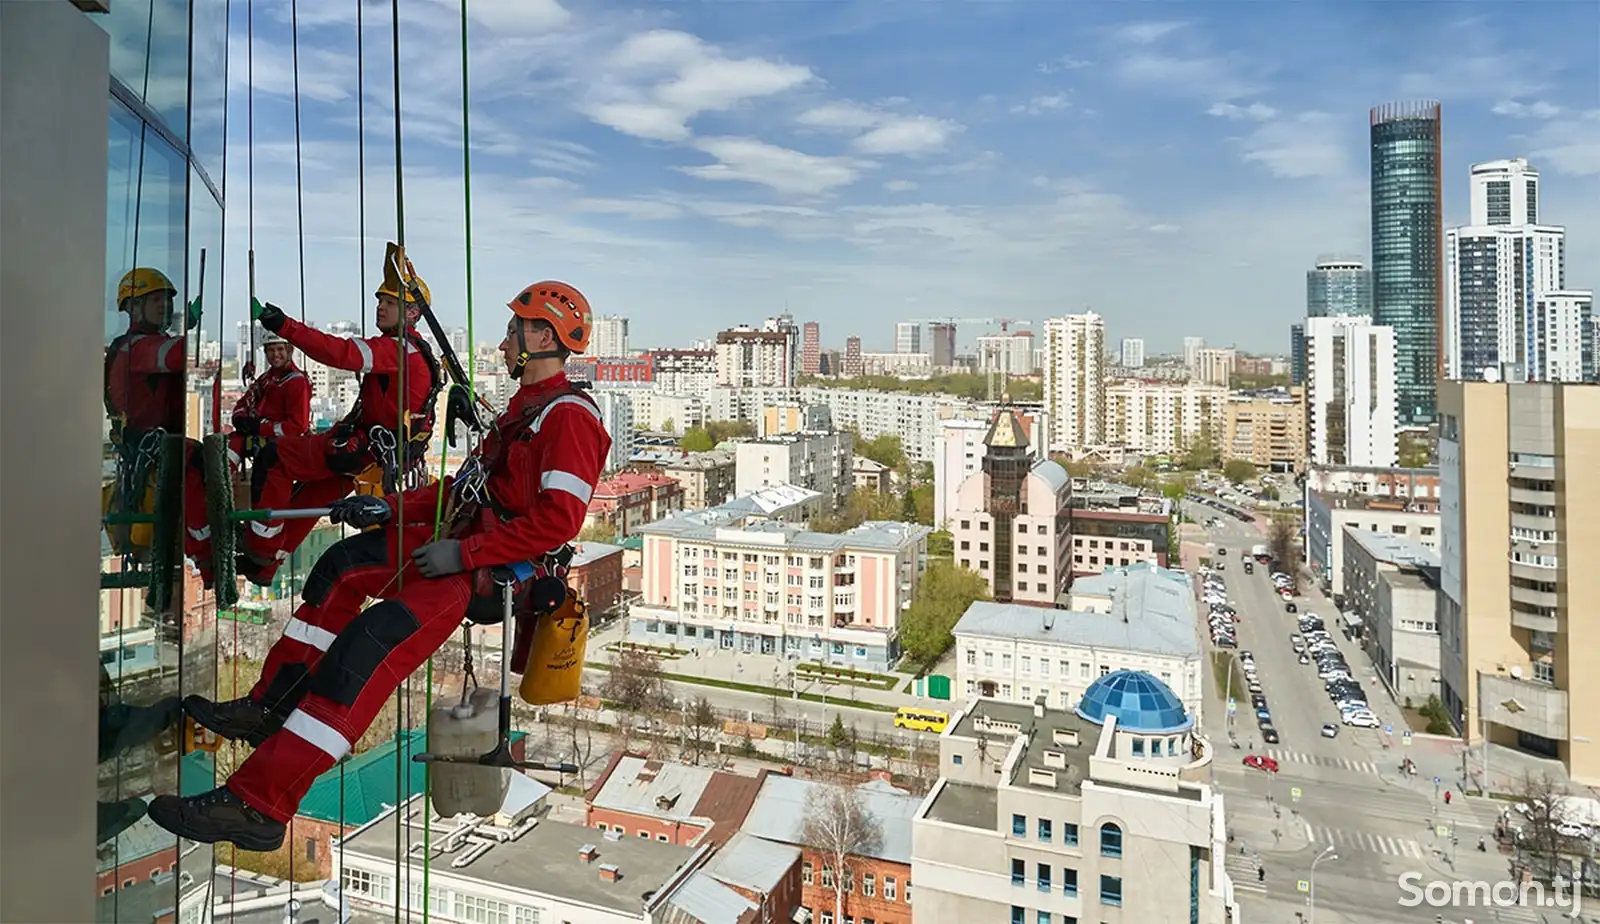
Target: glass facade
157,634
1407,268
1343,288
1297,354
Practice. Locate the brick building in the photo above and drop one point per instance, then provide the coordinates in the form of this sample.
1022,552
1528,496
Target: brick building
596,575
669,802
630,500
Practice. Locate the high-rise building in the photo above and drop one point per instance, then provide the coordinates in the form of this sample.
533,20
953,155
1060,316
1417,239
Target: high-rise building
784,324
1268,431
1132,353
1162,418
1517,546
958,453
616,412
1074,380
1191,348
1024,557
749,358
610,337
1407,252
851,366
908,337
943,336
1507,307
1505,192
1297,354
1338,286
1007,354
811,348
1350,392
1214,365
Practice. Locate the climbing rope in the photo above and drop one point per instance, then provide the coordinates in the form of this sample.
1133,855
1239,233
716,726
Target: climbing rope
403,692
300,234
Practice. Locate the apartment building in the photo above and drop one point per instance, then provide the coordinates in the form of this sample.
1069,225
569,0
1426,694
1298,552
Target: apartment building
707,477
750,358
1351,410
1006,354
723,577
1328,515
872,476
912,417
1074,380
1391,585
959,455
616,414
630,500
595,575
1162,418
671,412
1266,430
879,884
821,462
1104,539
1521,533
901,365
684,372
1012,521
1215,365
1019,653
1414,487
1101,814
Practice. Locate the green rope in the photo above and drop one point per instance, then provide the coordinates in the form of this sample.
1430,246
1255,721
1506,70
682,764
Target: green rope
402,777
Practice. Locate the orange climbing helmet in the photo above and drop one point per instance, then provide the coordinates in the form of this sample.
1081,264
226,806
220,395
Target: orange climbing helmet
561,306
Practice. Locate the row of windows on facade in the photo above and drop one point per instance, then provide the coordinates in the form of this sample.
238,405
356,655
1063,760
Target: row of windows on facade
809,875
815,562
966,546
1110,886
1022,568
731,613
1063,666
983,526
461,906
770,598
708,632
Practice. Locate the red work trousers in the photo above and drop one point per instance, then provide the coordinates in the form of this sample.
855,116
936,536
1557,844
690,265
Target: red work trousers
196,521
352,659
292,471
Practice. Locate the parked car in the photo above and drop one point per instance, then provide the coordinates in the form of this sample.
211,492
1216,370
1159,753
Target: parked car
1261,762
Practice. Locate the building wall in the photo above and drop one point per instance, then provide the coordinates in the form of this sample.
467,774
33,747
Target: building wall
1269,433
822,462
706,482
1350,396
1162,418
822,900
1022,670
1326,521
1410,648
131,872
1415,487
1106,538
1046,525
680,833
598,582
1074,380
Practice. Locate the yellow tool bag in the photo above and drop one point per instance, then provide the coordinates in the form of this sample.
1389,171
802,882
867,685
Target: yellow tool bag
129,538
552,671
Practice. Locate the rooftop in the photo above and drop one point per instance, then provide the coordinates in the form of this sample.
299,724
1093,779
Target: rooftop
631,482
1059,741
698,461
1052,474
711,525
589,552
769,501
1350,500
1395,550
1151,610
1140,703
364,786
752,863
543,860
676,792
967,805
701,899
864,464
780,811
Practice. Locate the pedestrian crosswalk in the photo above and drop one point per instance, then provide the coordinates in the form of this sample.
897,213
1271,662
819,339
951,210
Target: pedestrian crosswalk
1284,756
1242,870
1519,914
1369,842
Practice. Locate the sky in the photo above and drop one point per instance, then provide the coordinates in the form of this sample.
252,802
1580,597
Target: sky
692,166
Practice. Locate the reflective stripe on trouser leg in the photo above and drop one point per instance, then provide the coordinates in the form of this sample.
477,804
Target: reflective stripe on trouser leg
278,774
279,468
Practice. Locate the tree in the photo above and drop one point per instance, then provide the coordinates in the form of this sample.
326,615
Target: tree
941,544
943,595
1140,477
1540,848
1416,450
635,685
839,827
720,430
580,719
884,449
696,439
699,734
1281,537
1238,471
1202,454
919,505
860,507
669,425
598,531
1077,468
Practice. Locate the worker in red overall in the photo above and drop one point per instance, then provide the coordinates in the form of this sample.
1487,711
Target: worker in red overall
315,470
521,496
277,404
144,399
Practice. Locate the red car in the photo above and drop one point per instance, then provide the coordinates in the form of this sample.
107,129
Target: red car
1260,762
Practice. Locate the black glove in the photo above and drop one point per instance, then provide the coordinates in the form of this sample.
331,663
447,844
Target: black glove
459,406
247,426
439,559
360,511
272,317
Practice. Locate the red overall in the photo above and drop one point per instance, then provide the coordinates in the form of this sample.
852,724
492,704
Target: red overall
280,402
350,661
315,470
145,387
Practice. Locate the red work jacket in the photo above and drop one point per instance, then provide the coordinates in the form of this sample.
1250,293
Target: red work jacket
377,360
545,482
280,399
144,380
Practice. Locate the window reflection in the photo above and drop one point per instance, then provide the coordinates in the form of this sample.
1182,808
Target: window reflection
150,54
209,99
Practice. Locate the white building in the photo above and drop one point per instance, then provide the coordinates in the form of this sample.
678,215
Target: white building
616,412
1351,411
1163,418
914,418
1214,365
784,324
1036,551
750,358
1559,349
907,337
661,410
959,456
1138,617
684,372
724,578
1006,354
1504,192
821,462
1133,353
1074,383
909,365
1191,350
610,337
1105,813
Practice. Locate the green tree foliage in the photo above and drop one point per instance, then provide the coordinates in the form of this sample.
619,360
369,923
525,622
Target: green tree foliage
1174,489
861,507
1202,454
922,473
838,734
1238,471
1076,468
941,544
721,430
885,449
696,439
960,384
919,504
598,531
942,597
669,425
1416,450
1140,477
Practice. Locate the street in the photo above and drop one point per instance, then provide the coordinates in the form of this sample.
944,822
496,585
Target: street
1341,799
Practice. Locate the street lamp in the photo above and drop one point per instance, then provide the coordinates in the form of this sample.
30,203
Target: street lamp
1326,854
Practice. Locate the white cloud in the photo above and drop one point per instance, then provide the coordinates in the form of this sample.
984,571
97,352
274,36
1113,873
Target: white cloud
899,186
1064,63
782,169
562,156
1163,228
658,82
1053,102
1204,77
633,209
1570,146
1307,145
517,17
1146,33
882,133
1538,109
1255,112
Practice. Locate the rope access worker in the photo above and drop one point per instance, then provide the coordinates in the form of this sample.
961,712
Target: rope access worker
521,496
144,400
277,404
314,470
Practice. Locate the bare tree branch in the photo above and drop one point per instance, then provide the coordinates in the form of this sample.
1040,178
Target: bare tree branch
839,827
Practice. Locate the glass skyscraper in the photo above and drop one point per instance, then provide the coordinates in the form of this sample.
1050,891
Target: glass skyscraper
1338,287
1407,267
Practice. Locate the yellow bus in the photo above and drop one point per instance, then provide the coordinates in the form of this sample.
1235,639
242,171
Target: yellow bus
920,719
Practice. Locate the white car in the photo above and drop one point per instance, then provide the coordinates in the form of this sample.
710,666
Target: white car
1569,829
1362,720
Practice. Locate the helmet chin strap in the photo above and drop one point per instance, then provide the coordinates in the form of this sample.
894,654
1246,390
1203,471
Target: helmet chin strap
524,355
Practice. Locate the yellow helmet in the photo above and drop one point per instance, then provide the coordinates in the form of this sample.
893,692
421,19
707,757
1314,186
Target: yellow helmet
142,281
409,300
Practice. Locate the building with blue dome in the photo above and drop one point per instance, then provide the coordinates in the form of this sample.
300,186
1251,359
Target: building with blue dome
1140,702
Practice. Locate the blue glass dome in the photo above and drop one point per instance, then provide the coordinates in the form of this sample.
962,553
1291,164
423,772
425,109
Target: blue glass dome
1140,702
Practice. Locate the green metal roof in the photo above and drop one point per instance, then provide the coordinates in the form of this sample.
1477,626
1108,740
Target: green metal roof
369,782
632,543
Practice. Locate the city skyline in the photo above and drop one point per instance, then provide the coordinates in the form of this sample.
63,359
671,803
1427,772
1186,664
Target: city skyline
784,170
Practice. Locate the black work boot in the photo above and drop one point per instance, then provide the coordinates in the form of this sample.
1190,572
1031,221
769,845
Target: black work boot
113,818
218,815
236,719
124,727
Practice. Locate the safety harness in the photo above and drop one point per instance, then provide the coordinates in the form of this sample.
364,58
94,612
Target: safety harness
138,451
351,442
250,406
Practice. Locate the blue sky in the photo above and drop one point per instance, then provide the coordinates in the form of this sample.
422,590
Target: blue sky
1176,168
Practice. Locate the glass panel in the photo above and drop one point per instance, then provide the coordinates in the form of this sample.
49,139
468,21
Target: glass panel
150,55
209,97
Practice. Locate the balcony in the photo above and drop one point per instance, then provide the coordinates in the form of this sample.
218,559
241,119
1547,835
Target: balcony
1533,597
1533,497
1530,521
1536,708
1544,574
1537,622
